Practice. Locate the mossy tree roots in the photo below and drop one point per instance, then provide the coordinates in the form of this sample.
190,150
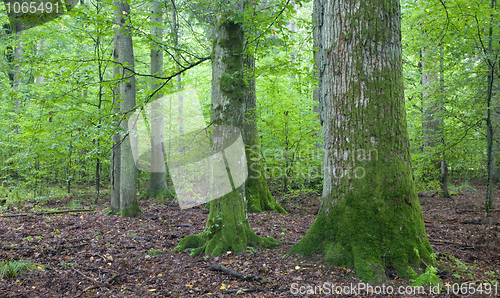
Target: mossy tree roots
227,229
158,188
257,193
370,217
370,236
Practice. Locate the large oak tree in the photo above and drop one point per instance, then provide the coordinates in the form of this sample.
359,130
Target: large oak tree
370,217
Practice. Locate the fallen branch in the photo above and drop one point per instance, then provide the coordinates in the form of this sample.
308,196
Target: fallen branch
15,248
77,246
216,267
48,212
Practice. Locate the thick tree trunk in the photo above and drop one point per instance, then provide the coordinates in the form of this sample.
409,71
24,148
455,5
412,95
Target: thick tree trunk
115,159
227,225
370,218
128,170
258,196
157,180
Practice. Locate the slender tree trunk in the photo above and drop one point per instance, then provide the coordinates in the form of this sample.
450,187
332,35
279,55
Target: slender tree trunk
370,217
128,170
227,225
443,164
258,196
180,99
17,61
115,159
157,179
489,126
495,119
432,118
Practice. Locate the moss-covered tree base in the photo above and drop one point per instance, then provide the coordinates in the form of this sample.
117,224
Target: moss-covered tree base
159,194
132,210
370,237
227,229
259,197
158,187
257,193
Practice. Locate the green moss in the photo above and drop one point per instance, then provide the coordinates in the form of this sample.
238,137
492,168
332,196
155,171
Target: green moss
227,229
159,194
374,222
257,193
132,211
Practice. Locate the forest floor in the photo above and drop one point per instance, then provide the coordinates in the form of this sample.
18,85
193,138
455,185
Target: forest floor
90,254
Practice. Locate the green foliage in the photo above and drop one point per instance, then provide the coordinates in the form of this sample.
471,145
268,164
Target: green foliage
429,278
12,268
289,128
460,31
155,252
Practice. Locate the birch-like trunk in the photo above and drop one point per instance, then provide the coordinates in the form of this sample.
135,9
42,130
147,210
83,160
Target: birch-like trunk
158,171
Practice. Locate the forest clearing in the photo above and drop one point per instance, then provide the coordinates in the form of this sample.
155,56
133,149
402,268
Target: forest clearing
256,148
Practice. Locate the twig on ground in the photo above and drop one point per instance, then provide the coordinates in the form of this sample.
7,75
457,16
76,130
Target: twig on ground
16,248
216,267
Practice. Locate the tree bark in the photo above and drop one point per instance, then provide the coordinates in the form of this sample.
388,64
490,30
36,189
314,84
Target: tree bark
227,226
370,217
258,196
157,180
128,170
488,206
115,159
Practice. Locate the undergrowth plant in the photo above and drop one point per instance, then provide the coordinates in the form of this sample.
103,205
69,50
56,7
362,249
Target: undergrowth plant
11,269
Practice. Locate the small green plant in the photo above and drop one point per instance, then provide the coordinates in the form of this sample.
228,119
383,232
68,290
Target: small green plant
74,204
11,269
251,250
155,252
429,278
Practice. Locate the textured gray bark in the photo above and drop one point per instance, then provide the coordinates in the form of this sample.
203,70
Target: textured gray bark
115,159
128,170
157,179
370,218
